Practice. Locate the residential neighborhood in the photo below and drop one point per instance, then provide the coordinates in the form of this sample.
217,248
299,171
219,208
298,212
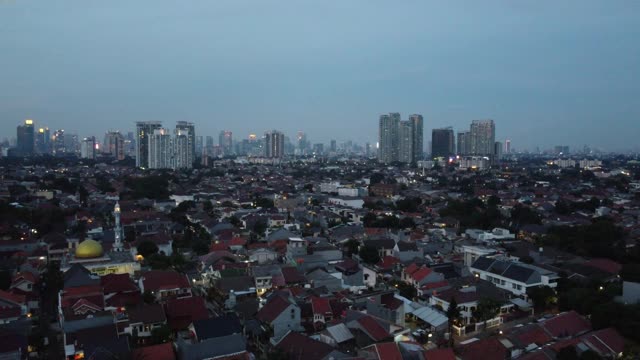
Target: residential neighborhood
319,259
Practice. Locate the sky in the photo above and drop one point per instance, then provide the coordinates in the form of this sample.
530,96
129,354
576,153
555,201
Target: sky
547,72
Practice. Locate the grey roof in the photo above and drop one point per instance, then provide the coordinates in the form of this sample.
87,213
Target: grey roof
340,333
380,243
217,327
431,316
280,234
519,272
226,345
77,276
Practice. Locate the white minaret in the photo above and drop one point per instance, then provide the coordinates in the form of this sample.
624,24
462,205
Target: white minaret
117,245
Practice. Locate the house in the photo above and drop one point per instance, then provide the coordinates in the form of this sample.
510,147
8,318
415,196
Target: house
320,277
386,306
155,352
262,255
232,347
220,326
24,283
297,346
12,307
407,251
567,324
165,285
419,275
511,276
120,291
385,246
145,318
321,309
184,311
281,315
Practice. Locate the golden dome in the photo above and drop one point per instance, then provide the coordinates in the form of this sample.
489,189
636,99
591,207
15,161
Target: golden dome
89,249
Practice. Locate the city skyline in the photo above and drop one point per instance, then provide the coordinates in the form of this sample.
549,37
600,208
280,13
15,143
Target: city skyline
543,71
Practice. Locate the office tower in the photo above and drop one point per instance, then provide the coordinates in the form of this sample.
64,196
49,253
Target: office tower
43,141
483,137
209,141
225,140
199,146
417,124
144,130
507,146
498,150
59,143
333,147
182,150
388,137
114,145
464,143
561,150
405,142
71,144
318,149
189,130
88,148
26,139
367,150
442,143
302,144
160,149
274,144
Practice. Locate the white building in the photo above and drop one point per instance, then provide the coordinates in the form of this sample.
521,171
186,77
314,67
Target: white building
514,277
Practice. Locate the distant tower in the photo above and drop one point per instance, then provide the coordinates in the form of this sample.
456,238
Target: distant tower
117,245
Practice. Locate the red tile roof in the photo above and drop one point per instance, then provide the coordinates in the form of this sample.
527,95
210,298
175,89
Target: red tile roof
489,348
421,274
320,306
434,285
155,352
440,354
182,312
387,262
605,265
566,324
292,275
411,269
532,334
607,341
115,283
159,280
373,329
13,298
388,351
272,309
298,346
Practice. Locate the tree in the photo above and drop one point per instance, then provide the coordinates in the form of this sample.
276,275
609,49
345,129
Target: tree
487,309
5,279
369,255
351,246
453,314
567,353
147,248
542,296
148,297
161,334
235,222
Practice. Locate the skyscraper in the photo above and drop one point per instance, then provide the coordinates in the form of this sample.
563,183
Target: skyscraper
26,138
160,149
507,146
333,147
405,142
199,146
302,144
43,141
442,143
417,124
182,150
144,130
388,138
88,148
274,144
189,130
483,137
464,143
225,140
498,150
59,148
114,145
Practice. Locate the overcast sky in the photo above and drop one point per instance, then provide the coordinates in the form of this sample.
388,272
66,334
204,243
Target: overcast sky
548,72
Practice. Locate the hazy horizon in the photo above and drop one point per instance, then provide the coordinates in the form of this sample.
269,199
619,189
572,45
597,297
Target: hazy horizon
548,73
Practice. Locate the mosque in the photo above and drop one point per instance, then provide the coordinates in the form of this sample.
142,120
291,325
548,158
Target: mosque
90,254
